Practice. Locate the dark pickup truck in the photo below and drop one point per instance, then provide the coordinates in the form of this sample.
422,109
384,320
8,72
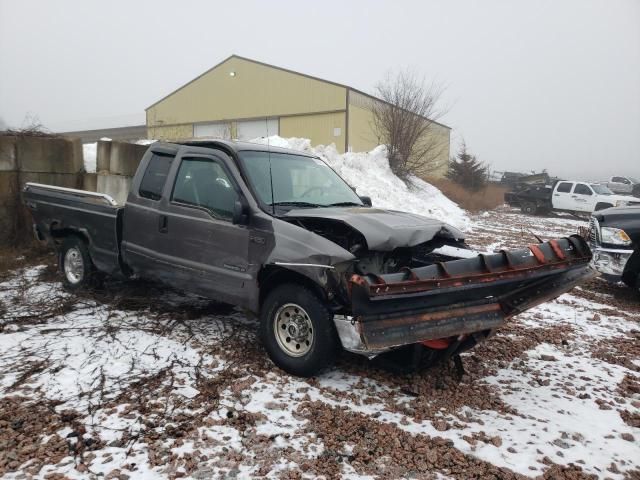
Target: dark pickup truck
280,234
614,235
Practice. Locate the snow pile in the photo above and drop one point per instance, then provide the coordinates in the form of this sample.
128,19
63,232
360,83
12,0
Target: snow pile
370,174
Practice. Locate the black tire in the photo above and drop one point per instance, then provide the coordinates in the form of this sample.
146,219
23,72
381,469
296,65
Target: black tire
529,208
602,206
75,264
632,281
312,314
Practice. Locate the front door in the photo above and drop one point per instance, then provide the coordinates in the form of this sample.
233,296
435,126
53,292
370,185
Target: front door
210,253
584,197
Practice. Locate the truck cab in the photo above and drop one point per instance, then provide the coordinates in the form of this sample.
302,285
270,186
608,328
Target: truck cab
583,197
622,185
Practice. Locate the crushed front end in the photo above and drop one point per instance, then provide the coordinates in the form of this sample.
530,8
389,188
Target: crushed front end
452,305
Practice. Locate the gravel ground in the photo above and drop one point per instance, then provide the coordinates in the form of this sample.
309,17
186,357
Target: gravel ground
134,381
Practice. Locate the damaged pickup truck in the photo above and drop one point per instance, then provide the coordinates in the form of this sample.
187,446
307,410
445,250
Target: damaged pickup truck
280,234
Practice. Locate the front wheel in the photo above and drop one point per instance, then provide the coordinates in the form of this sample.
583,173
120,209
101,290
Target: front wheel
297,330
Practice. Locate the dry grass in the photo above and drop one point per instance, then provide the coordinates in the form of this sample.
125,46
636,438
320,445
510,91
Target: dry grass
487,199
31,253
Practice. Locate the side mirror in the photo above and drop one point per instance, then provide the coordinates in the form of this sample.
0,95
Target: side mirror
240,212
366,200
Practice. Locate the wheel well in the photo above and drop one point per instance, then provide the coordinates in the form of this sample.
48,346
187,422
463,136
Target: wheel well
272,276
602,206
60,234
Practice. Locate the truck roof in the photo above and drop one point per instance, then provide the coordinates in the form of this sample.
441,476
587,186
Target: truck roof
237,146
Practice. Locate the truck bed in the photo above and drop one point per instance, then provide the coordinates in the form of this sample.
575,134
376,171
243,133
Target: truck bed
96,217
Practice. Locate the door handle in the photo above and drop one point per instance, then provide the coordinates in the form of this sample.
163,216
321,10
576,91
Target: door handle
163,224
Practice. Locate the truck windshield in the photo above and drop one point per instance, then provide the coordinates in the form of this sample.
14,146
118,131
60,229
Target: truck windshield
601,189
295,181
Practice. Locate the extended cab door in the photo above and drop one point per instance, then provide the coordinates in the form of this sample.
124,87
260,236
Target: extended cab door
142,242
562,196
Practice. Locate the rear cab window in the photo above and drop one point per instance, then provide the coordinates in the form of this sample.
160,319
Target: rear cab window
155,176
564,187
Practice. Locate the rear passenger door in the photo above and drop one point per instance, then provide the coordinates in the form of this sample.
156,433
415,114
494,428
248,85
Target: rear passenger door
208,251
562,196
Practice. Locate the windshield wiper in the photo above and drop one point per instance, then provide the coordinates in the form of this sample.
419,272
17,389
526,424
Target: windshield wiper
344,204
295,204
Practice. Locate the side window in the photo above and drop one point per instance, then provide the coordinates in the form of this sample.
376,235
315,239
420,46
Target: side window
619,180
155,176
582,189
564,187
204,183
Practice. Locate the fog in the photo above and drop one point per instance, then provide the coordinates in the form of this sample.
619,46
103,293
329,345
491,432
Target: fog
529,85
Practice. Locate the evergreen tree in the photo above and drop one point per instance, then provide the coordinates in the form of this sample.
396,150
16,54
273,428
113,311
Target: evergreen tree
466,170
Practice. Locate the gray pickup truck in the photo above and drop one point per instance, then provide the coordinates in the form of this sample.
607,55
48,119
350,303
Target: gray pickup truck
280,234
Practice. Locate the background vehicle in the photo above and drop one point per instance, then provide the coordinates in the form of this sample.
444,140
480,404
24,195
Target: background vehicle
567,196
279,233
624,185
614,236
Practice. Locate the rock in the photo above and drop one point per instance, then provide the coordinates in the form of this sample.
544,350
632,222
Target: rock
561,443
548,358
627,436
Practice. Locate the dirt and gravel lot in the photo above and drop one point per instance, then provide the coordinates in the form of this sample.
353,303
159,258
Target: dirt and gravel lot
135,381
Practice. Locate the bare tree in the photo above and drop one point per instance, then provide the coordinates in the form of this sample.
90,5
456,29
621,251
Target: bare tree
406,122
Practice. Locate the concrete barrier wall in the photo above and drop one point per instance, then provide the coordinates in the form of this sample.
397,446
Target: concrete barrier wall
52,160
116,164
115,185
58,161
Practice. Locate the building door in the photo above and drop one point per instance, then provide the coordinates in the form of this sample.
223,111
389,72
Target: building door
250,129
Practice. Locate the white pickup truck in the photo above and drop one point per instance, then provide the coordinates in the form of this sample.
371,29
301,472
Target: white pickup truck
623,185
568,196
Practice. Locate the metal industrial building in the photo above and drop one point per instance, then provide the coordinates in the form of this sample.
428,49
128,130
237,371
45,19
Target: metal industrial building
244,99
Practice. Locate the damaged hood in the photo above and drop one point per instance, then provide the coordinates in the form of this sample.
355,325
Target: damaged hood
384,230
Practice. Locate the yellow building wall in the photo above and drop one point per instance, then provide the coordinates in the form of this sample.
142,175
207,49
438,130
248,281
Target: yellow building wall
363,138
170,132
254,91
319,128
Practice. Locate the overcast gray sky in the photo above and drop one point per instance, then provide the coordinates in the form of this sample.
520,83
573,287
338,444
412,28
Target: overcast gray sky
530,84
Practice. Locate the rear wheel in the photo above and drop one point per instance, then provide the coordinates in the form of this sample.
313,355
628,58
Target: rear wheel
297,330
529,208
75,264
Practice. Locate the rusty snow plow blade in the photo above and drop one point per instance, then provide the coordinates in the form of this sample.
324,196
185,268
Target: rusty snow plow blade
463,301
